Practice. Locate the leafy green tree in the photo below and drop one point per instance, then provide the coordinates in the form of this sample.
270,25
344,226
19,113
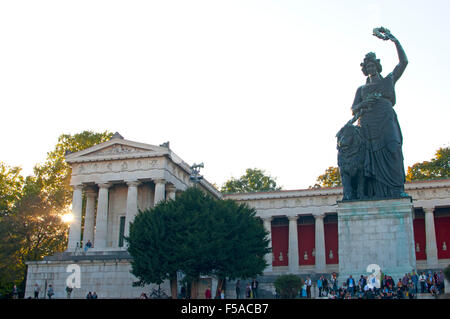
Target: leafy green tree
11,184
438,167
331,178
288,285
197,235
254,180
53,176
33,230
32,227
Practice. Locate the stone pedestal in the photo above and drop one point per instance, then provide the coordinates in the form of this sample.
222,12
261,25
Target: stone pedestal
376,232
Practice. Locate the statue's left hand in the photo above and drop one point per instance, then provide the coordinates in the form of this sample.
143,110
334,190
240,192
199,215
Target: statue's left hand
391,37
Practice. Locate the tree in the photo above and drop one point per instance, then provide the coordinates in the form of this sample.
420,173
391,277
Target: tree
32,227
53,176
331,178
11,184
197,235
254,180
31,231
447,272
437,167
288,285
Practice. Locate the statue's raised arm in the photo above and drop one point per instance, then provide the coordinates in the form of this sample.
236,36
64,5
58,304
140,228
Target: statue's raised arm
385,34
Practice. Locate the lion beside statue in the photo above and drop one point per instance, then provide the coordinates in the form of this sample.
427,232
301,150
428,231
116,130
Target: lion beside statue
351,152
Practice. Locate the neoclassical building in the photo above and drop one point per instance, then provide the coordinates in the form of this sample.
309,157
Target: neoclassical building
304,226
117,178
114,179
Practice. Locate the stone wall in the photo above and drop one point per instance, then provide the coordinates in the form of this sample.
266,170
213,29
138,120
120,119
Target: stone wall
108,278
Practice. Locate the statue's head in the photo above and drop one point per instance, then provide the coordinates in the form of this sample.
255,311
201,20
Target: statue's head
371,62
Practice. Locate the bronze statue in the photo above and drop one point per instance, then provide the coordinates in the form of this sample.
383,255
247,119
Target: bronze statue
380,157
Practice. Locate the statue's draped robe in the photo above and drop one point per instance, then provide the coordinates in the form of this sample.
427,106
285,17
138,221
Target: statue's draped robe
383,163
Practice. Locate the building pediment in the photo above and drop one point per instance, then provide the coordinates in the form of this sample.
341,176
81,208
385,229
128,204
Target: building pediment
117,149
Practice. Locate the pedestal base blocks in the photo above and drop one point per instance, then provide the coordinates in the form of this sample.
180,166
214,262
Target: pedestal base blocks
376,232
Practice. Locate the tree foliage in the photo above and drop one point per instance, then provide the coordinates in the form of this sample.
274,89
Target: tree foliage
30,223
331,178
53,176
447,272
11,184
33,229
438,167
197,235
288,285
254,180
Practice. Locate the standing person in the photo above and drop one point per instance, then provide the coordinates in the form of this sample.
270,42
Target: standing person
334,282
94,295
429,282
362,283
208,293
308,287
391,282
384,282
68,291
405,282
37,290
248,291
238,289
217,296
15,292
436,280
319,285
89,295
222,294
304,294
351,285
50,291
255,288
415,281
183,292
325,285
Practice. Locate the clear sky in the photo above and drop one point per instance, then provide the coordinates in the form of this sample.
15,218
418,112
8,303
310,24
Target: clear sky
234,84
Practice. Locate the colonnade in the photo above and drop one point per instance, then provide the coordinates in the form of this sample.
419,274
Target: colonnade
96,228
293,256
320,252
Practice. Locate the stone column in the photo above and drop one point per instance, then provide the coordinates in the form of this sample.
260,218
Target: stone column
89,218
101,225
293,244
132,205
268,227
160,190
430,233
320,243
75,226
171,192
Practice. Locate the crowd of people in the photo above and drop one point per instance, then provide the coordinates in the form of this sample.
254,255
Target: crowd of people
364,287
406,287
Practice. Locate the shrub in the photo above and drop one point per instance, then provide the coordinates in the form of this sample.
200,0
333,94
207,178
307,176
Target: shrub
447,273
288,286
